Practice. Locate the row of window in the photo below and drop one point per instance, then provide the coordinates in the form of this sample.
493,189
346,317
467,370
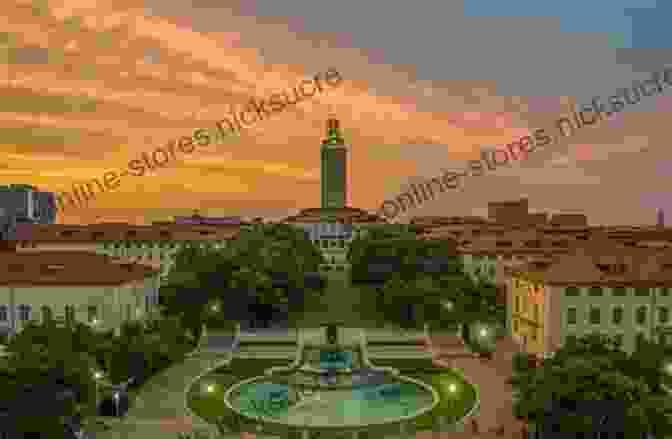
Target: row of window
25,312
619,338
617,315
616,292
327,243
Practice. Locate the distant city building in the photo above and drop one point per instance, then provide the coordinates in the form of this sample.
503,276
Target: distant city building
154,245
28,204
212,221
508,211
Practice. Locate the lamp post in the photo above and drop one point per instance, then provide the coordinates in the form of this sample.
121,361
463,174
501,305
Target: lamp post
667,369
116,404
97,376
452,390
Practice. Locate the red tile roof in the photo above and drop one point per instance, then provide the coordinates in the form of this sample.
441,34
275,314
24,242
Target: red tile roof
63,268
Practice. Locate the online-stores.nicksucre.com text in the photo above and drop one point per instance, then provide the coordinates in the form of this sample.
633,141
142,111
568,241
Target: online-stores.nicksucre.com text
519,149
83,193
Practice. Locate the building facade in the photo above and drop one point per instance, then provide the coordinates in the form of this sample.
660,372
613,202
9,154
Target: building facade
154,246
100,291
28,204
618,291
332,231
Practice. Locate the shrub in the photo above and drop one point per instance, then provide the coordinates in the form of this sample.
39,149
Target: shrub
521,362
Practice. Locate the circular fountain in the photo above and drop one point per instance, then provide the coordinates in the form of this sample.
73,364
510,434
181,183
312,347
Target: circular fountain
331,389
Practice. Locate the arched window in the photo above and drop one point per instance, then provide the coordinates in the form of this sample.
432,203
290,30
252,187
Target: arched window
640,315
595,291
47,314
571,291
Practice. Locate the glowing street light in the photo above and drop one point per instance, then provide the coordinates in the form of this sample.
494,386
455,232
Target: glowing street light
668,368
116,403
210,388
452,393
483,332
448,305
97,376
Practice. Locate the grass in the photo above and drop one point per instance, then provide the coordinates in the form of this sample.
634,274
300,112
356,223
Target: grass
452,410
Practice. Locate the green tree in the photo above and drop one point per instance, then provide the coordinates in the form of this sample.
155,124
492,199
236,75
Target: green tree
592,369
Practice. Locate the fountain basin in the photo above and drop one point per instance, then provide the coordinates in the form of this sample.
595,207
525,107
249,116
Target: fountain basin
336,407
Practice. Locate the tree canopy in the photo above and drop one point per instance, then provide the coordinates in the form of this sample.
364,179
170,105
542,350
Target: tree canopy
264,266
589,371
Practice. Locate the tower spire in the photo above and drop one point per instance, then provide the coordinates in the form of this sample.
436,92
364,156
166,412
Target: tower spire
333,130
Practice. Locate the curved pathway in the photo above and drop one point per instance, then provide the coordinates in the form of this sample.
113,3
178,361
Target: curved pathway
159,410
496,408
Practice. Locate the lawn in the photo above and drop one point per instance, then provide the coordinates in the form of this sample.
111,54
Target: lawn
452,409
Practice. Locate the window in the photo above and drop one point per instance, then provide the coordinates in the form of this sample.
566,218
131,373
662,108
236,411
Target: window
517,303
663,315
536,312
595,291
92,313
571,291
47,315
594,316
619,291
617,315
515,324
664,291
570,339
534,334
641,292
3,313
69,313
24,312
639,340
571,316
618,340
640,315
128,312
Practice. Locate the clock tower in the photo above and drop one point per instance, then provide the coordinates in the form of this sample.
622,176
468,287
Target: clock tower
334,157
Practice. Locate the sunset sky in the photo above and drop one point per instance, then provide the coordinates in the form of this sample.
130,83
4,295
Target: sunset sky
88,85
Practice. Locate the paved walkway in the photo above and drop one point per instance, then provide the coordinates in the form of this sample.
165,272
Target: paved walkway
159,410
496,409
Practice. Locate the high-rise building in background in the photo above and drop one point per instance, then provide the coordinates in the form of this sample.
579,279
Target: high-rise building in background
22,203
334,168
